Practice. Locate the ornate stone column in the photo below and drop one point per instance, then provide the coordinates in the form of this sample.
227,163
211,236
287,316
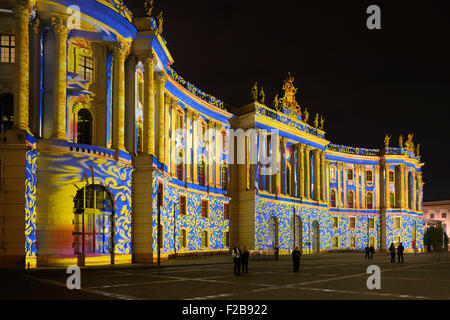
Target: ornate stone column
377,186
387,205
187,152
308,172
322,175
60,96
218,165
339,184
363,188
316,168
210,144
161,79
121,51
282,172
195,117
414,198
293,171
345,178
357,186
401,194
173,136
21,116
149,103
301,171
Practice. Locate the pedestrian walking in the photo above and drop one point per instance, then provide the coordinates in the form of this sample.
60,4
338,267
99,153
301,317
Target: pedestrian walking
392,250
372,251
276,253
296,254
244,260
367,252
400,250
236,254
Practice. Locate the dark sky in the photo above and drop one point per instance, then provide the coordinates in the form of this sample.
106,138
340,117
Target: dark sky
366,83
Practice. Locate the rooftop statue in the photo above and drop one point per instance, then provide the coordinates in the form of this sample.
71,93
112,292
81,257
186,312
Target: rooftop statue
148,5
418,150
262,96
160,23
306,116
276,103
387,139
400,141
255,92
409,143
316,121
322,121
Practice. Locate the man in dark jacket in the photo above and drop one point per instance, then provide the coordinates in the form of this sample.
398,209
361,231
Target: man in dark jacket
367,252
400,252
244,260
236,254
296,254
372,251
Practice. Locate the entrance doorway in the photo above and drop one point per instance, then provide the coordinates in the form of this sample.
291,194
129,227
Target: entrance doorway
315,237
93,221
297,232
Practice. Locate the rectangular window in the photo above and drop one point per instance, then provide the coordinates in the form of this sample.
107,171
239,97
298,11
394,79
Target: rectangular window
7,48
182,238
444,215
182,205
349,174
333,173
371,223
391,176
86,68
226,211
226,239
432,216
335,242
335,222
205,209
369,176
352,242
352,223
205,240
397,223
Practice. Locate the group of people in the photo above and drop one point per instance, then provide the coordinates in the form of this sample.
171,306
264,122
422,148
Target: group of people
369,252
240,257
400,250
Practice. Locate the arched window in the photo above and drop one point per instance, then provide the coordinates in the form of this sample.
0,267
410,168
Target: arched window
224,177
6,112
369,200
350,199
139,136
84,127
93,208
205,239
333,198
180,165
202,173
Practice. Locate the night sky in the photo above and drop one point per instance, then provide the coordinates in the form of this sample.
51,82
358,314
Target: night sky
366,83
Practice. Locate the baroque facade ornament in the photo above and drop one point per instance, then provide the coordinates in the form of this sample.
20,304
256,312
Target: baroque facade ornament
289,102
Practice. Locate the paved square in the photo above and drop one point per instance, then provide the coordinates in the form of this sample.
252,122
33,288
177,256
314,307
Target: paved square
327,276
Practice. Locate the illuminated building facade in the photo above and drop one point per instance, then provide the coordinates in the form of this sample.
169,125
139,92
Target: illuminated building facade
97,128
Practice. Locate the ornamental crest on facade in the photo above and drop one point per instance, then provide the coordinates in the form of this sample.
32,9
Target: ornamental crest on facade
288,103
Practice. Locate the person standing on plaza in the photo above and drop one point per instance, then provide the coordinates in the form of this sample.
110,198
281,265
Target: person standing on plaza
236,254
296,254
392,250
367,252
400,250
372,251
276,252
244,260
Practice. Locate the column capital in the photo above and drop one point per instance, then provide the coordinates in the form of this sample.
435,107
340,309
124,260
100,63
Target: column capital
149,59
121,50
161,77
22,10
59,27
36,25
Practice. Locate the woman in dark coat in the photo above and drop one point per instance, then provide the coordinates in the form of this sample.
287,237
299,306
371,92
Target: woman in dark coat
392,250
296,259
